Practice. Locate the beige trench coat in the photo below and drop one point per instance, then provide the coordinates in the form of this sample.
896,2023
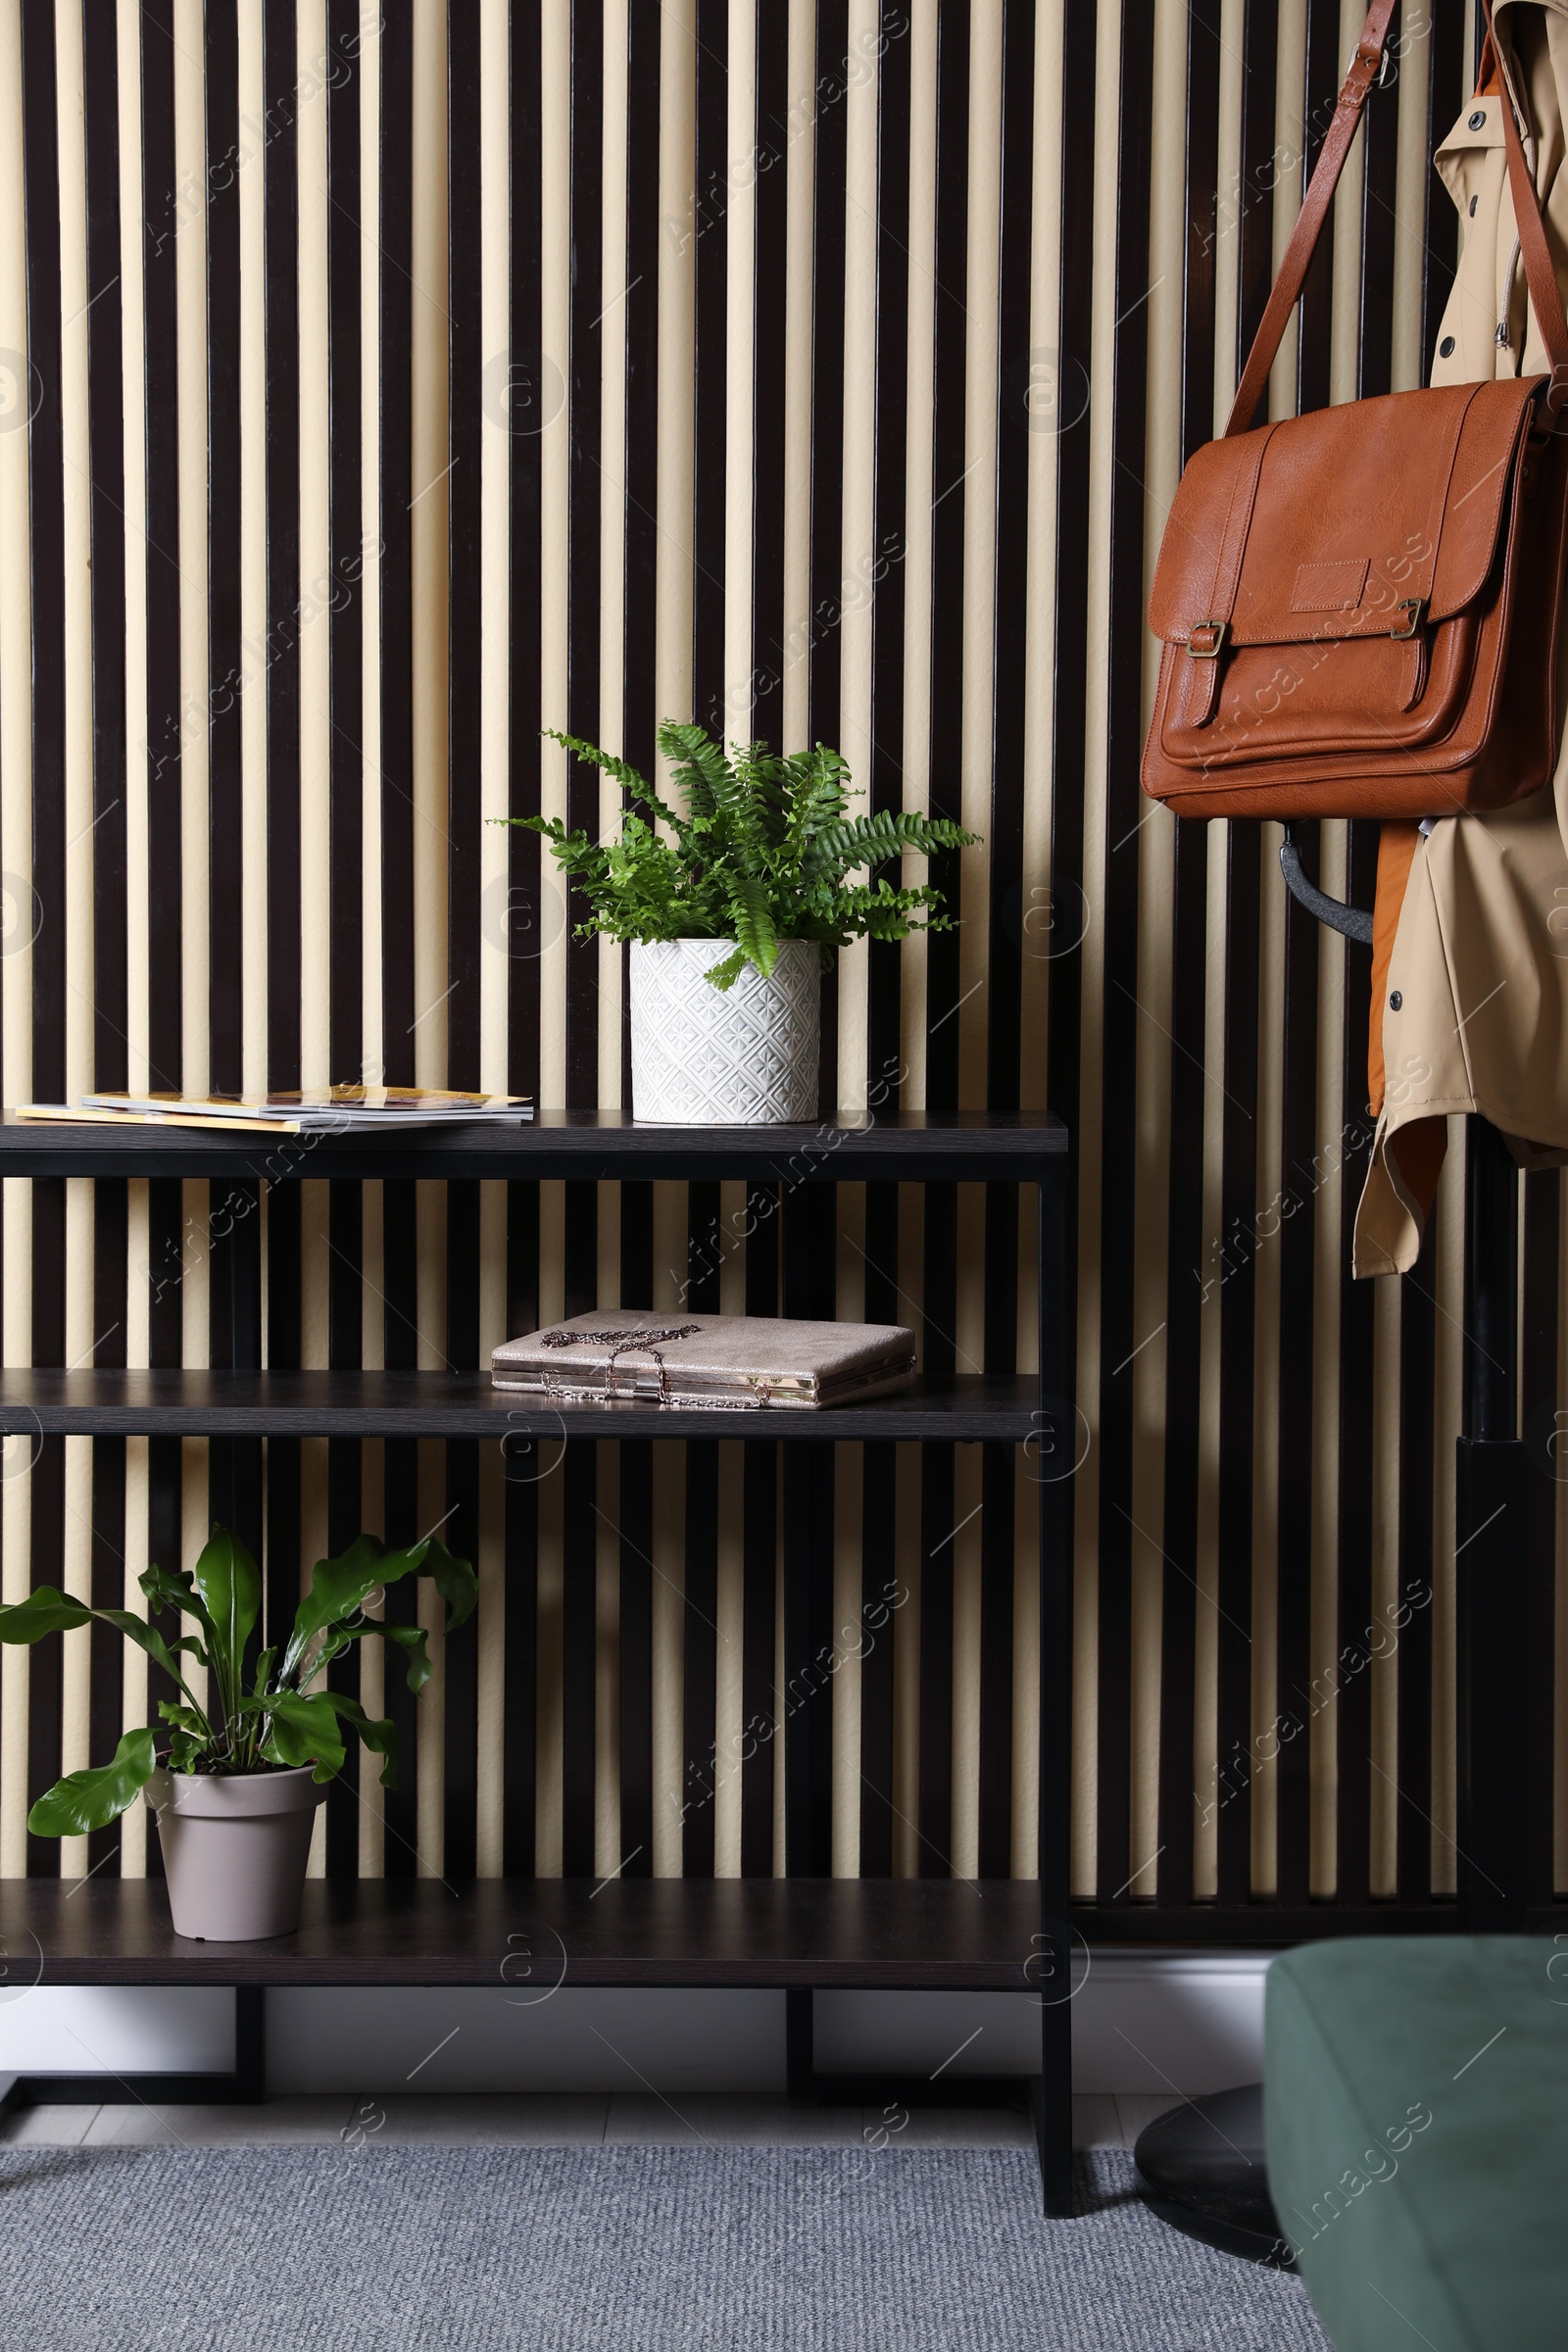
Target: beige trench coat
1474,997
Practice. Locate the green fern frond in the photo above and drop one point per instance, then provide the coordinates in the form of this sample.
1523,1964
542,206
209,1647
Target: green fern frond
624,775
758,851
754,929
891,833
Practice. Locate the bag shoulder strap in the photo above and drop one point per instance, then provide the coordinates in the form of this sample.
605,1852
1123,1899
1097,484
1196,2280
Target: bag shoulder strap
1540,276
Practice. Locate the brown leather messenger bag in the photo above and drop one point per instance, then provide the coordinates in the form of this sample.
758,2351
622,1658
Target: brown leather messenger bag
1357,608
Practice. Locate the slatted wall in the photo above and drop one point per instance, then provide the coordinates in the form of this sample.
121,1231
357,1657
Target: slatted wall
382,387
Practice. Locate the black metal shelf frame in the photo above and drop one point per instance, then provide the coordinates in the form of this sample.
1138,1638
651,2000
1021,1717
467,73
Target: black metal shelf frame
1038,1414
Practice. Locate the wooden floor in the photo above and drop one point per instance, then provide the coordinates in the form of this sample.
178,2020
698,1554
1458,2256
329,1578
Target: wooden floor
1100,2120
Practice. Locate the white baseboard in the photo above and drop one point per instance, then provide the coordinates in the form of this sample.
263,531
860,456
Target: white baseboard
1177,2022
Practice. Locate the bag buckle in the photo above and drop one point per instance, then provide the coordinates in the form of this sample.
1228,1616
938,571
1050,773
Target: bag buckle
1414,608
1216,632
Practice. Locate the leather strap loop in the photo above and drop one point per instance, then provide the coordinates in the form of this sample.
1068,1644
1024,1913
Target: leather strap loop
1545,294
1540,275
1365,67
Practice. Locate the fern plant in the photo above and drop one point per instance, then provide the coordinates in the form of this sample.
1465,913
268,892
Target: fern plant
759,849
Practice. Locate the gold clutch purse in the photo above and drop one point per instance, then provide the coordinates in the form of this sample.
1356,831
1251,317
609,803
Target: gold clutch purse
721,1362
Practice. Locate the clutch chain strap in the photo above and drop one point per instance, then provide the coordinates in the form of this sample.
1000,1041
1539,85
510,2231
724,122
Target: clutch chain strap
641,1339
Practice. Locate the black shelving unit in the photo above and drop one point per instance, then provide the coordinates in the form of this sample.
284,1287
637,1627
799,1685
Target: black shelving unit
800,1932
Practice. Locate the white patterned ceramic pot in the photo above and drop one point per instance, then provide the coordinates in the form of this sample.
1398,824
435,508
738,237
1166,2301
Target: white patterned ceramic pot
234,1849
739,1057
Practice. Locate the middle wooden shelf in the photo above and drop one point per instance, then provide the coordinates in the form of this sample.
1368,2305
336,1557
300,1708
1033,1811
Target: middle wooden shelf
1004,1408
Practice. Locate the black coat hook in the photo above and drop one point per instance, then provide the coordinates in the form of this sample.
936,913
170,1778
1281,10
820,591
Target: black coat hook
1351,920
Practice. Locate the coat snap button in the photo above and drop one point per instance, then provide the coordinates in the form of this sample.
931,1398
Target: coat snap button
1445,348
1394,1001
1478,120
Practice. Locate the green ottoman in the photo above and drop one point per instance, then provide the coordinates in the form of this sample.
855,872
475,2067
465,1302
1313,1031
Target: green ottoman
1415,2099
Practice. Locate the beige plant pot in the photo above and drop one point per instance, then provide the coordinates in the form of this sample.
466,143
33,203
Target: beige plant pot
235,1851
746,1055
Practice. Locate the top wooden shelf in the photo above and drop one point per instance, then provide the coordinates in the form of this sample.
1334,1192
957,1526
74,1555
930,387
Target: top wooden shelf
590,1145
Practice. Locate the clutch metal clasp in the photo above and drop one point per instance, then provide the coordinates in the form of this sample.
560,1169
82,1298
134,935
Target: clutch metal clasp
1414,609
1214,632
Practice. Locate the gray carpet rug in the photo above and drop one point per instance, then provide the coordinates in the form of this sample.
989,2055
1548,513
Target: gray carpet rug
630,2249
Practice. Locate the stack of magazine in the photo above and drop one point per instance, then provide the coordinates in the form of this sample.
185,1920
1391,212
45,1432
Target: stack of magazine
312,1111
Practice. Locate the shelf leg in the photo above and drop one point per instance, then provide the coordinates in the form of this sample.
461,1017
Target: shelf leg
800,2048
1053,2097
1051,2101
250,2042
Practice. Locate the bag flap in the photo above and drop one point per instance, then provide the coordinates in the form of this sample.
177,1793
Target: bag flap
1328,523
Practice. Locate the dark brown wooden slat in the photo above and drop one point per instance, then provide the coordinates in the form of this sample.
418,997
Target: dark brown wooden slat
878,1633
280,267
944,790
107,1573
578,1657
1380,136
399,1235
1125,811
584,558
710,707
1004,936
879,1556
700,1656
280,231
1541,1294
233,1498
804,1709
46,555
1446,90
1355,1402
889,500
1232,1259
639,721
346,798
464,674
579,1526
1291,1224
711,261
1418,1410
1058,1203
636,1516
759,1567
225,951
398,1008
106,428
400,1352
281,262
1353,1727
161,401
700,1618
164,1344
769,264
529,895
823,644
1293,1215
461,1534
1185,1236
579,1555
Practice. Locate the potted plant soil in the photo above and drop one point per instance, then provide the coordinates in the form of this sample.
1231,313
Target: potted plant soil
248,1748
733,902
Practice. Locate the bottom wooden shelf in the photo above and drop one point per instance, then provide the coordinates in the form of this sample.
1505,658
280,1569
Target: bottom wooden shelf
528,1936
